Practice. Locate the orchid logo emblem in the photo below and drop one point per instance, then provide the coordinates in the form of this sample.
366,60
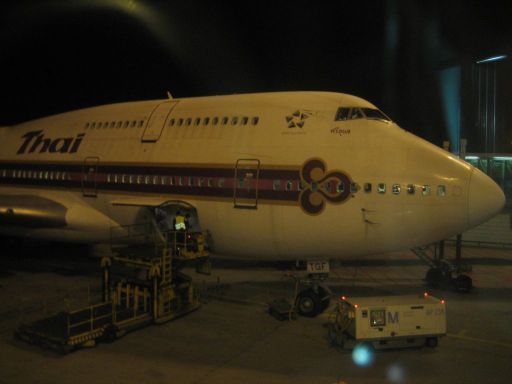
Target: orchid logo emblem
321,186
297,119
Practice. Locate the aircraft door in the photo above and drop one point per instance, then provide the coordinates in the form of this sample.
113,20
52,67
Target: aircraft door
246,183
157,121
89,175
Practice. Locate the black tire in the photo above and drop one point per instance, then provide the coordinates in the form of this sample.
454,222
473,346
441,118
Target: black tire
308,303
434,277
110,334
463,283
431,342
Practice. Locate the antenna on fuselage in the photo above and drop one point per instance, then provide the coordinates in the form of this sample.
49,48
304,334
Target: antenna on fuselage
169,95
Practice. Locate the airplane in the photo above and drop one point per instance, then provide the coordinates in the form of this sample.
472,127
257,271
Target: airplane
284,175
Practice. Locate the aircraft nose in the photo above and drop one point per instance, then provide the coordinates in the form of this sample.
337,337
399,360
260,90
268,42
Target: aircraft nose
485,198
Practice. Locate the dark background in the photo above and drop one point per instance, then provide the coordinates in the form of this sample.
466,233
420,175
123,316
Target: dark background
62,55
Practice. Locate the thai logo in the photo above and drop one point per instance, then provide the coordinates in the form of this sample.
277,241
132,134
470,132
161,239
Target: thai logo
298,118
35,141
321,186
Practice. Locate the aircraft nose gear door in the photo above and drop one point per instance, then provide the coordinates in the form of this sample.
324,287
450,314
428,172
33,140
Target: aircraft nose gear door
89,173
157,121
247,172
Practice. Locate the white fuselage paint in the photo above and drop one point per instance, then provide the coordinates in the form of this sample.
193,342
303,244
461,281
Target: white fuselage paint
367,151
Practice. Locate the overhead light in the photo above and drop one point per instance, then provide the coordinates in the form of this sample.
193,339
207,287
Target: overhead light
472,157
492,58
502,158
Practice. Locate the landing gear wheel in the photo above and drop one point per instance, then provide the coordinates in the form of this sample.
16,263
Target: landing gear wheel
308,303
434,277
463,283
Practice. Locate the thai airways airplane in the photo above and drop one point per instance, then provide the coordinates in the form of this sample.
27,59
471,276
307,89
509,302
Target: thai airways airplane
291,175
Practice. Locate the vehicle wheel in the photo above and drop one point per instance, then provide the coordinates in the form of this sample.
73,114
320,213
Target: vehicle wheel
463,283
434,277
431,342
308,303
110,334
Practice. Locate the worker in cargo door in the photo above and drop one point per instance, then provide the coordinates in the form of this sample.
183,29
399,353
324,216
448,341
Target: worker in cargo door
180,226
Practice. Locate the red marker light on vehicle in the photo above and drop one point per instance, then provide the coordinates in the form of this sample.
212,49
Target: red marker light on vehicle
425,294
343,298
442,301
355,305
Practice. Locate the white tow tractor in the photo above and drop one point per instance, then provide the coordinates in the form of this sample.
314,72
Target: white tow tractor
388,321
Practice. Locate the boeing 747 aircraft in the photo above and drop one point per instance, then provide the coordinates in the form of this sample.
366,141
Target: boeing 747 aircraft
291,175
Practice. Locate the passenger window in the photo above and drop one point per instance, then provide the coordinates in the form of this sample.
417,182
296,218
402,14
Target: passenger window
215,121
188,121
381,188
197,121
171,122
105,124
245,120
190,181
289,186
126,124
340,188
224,120
93,125
367,187
327,187
210,182
354,187
255,120
410,189
119,124
441,190
234,121
134,123
155,180
171,180
180,122
206,121
342,114
221,182
112,124
99,125
396,189
200,182
425,190
141,123
130,179
86,125
277,185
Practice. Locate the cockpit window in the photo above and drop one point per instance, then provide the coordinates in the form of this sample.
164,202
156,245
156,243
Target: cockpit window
345,113
356,114
342,114
375,114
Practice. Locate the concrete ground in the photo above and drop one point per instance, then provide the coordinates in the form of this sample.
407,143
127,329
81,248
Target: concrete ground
231,338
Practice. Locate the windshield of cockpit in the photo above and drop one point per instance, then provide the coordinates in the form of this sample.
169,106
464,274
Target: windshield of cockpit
352,113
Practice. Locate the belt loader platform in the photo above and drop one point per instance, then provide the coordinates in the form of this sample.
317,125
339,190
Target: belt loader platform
388,321
165,293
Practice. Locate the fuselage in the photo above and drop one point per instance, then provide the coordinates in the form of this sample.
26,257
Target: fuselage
277,175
